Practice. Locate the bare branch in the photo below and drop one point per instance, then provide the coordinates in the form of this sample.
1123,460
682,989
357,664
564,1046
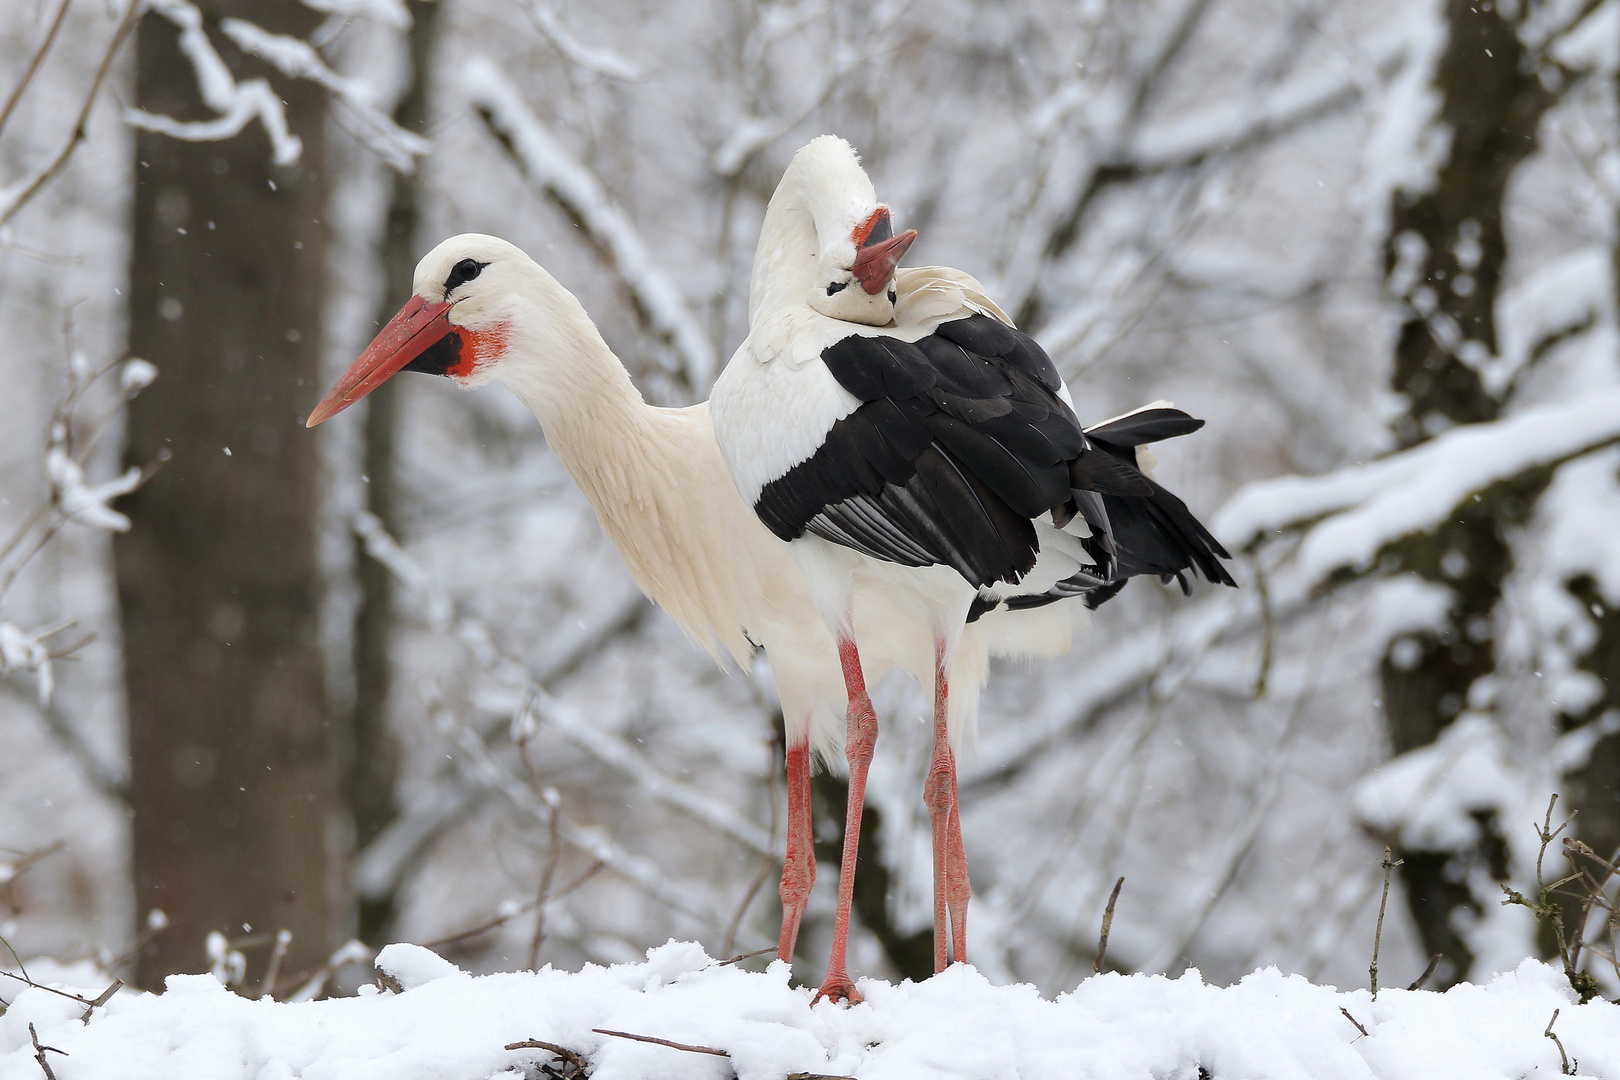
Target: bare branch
34,64
14,199
580,194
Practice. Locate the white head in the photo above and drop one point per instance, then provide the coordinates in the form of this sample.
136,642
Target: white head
473,295
827,241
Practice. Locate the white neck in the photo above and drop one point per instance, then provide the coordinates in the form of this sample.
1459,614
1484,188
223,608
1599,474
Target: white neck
642,468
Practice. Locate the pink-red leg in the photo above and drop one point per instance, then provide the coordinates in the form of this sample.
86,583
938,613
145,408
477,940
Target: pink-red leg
951,886
858,744
799,868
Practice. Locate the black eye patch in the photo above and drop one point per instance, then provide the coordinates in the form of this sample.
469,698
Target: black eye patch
837,287
461,273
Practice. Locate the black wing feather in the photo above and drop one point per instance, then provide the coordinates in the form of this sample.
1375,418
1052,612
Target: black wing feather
960,442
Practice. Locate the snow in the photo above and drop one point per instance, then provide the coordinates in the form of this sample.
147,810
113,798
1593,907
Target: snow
445,1023
1369,506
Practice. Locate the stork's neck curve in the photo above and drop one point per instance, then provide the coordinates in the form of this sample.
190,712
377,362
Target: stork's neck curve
823,190
558,365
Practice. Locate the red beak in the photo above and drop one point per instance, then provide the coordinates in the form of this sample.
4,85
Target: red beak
418,327
875,263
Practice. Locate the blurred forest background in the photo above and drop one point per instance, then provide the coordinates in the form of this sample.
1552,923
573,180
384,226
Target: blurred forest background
388,681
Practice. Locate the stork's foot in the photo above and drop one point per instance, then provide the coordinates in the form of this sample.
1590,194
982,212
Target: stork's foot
838,987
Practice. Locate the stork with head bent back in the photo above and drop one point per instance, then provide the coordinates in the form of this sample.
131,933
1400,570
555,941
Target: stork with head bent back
908,442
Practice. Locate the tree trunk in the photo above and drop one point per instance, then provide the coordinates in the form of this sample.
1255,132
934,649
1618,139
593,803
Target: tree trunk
1444,258
374,768
232,777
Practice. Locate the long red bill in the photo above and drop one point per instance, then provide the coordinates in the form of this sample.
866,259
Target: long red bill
417,328
875,263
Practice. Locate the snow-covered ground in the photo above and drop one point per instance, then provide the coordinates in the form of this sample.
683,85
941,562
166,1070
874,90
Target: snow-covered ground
444,1023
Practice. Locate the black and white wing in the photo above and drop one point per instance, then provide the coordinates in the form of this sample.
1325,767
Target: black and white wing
959,443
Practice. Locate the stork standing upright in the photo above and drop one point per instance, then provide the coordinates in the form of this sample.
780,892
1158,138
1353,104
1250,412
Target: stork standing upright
910,443
483,311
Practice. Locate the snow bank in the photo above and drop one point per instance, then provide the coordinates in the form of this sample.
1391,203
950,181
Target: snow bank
447,1024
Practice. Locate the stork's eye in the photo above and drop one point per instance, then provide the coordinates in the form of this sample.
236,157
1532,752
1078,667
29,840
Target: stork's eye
837,287
461,273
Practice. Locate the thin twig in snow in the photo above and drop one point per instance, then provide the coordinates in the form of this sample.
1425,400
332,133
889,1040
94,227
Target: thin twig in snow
575,1061
40,1051
688,1047
1107,924
1549,1033
1378,934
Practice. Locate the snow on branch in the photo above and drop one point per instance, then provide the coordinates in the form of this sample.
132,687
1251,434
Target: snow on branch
1254,118
1556,301
574,188
298,60
22,650
1360,510
239,104
603,62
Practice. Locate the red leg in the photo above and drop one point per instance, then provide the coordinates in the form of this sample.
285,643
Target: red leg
799,868
957,887
858,745
951,887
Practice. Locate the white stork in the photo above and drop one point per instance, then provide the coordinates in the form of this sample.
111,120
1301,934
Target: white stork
910,443
483,311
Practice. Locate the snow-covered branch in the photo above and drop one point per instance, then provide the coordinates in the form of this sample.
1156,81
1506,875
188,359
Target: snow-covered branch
297,59
598,61
574,188
242,103
1266,114
1361,509
239,104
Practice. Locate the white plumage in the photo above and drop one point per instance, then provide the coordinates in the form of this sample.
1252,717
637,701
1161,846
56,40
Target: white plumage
661,491
914,448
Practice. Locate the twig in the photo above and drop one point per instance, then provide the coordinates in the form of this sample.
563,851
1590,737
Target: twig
55,167
663,1042
745,956
34,64
39,1051
277,954
1595,892
101,999
553,800
1548,1033
1353,1020
730,940
1434,962
1107,924
563,1052
1378,934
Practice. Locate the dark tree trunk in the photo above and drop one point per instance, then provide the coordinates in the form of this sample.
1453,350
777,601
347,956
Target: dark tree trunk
1448,246
232,777
374,768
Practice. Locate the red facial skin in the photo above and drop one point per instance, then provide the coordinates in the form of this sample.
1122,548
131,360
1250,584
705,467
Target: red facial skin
418,326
